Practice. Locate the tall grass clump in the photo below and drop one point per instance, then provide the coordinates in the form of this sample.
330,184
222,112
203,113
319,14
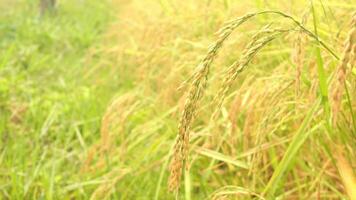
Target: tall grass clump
200,79
248,141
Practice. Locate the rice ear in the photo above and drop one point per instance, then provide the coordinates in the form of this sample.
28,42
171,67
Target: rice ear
341,71
199,81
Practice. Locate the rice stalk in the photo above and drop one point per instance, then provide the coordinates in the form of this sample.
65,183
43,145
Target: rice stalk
353,59
338,87
111,124
257,43
298,61
199,82
105,190
313,79
299,54
226,191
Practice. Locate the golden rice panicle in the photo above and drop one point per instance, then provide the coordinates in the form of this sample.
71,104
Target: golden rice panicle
353,51
257,43
298,59
175,169
298,55
181,148
338,87
353,57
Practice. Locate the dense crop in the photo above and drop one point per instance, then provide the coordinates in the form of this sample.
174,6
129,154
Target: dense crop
134,99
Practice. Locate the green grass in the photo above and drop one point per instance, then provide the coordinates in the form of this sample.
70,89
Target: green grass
41,70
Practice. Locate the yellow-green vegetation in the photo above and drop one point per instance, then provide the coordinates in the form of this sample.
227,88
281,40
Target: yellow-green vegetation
172,99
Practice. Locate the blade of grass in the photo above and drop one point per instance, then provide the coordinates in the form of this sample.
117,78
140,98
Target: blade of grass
163,170
160,180
218,156
291,153
234,191
320,68
320,63
187,184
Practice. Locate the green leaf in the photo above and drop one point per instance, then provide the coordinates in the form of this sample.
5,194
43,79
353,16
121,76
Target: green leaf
221,157
323,85
291,154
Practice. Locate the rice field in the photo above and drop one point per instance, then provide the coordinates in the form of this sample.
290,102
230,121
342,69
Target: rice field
171,99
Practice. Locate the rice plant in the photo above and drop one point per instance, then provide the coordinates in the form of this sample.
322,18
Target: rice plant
136,99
